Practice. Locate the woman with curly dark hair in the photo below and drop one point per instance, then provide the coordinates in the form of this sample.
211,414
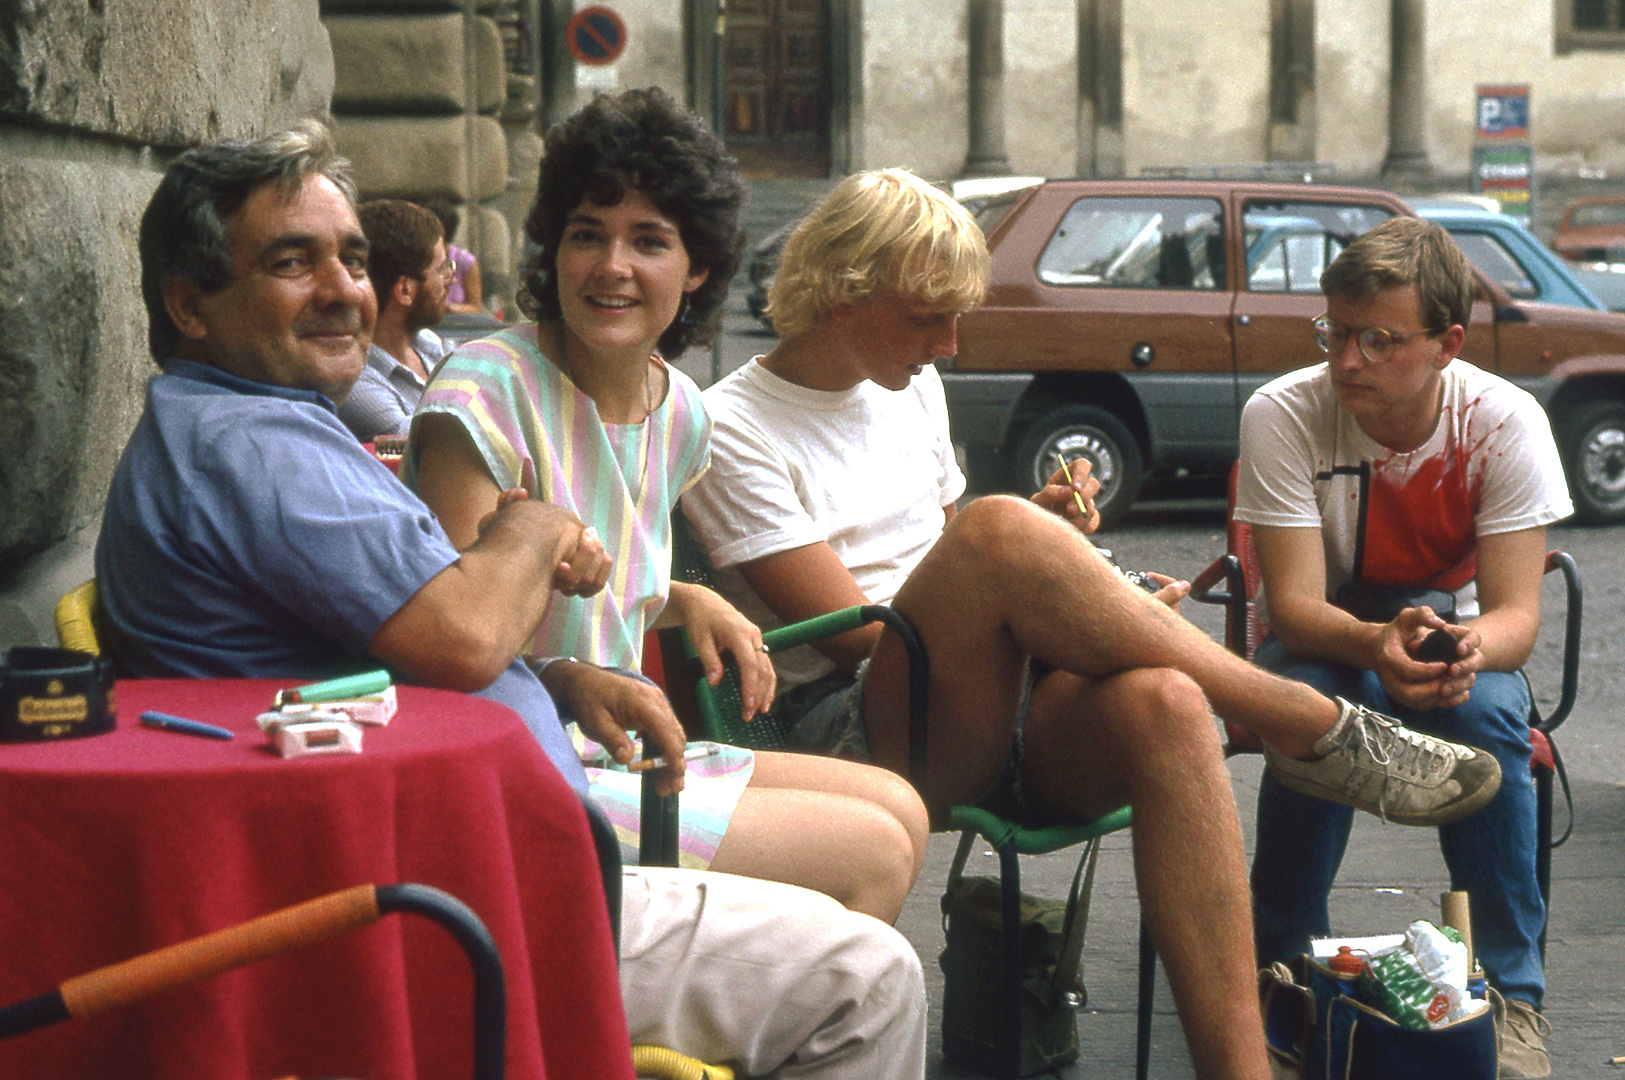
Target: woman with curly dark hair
635,235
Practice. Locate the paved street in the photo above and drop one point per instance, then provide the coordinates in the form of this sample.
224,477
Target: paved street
1392,874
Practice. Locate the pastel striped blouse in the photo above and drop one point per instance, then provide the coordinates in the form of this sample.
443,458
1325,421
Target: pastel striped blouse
537,431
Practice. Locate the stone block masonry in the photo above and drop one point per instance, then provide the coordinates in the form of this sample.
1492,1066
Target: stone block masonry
95,97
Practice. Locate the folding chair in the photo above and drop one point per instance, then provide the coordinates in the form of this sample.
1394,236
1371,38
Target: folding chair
717,713
1244,631
313,921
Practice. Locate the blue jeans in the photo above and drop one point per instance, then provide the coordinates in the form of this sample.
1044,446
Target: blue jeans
1490,854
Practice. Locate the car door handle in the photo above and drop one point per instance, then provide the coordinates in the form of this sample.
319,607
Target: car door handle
1244,320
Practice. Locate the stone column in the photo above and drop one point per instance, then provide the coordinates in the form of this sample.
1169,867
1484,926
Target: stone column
986,156
1100,88
419,101
1292,81
1407,93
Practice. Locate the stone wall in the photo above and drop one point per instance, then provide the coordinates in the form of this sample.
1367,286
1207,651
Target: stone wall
429,96
95,96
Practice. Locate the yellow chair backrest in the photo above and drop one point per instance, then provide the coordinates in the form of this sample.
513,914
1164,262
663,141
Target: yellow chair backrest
75,619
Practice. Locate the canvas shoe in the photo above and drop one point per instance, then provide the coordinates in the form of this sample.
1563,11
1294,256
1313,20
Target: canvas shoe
1374,763
1523,1045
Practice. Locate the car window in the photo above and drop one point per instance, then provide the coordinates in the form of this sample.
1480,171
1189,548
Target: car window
1289,244
1593,214
1498,263
1137,243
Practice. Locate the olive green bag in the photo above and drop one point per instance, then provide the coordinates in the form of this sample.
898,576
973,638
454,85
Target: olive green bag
973,1007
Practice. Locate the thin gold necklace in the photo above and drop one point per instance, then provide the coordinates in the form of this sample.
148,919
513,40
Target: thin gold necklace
634,489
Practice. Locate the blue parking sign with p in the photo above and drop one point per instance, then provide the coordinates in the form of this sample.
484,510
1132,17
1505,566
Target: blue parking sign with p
1503,112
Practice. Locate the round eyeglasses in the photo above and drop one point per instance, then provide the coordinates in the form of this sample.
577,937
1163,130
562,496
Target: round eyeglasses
1376,343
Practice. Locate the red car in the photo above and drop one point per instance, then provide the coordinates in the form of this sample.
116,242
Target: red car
1592,231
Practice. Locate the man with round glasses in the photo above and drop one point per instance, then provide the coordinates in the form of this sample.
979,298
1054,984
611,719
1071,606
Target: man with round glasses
1393,468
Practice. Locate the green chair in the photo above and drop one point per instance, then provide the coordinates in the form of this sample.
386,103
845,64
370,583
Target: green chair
718,712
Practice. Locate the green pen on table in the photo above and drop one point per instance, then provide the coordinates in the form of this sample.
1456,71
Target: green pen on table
340,689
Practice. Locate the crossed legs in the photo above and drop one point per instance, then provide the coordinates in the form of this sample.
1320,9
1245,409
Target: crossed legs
1124,718
1008,581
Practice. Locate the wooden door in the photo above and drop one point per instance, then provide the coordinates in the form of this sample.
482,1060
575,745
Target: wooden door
777,86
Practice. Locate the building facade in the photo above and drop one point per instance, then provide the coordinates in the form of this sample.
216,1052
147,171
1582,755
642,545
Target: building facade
1122,86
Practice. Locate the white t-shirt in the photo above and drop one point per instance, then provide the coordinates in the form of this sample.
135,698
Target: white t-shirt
1491,466
866,470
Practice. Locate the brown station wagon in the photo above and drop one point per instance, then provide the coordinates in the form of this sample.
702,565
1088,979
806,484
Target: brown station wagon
1128,321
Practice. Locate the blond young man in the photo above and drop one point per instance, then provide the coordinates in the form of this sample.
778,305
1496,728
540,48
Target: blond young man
1057,689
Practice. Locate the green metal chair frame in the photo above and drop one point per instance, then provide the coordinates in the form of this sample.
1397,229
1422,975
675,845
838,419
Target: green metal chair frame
719,711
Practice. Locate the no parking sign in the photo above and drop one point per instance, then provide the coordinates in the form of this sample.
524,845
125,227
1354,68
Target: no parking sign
596,35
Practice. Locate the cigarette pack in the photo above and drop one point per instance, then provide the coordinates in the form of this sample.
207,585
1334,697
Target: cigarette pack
337,735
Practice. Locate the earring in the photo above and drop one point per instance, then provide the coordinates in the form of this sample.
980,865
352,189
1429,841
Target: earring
685,314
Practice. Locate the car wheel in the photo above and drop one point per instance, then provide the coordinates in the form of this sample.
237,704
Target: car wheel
1088,432
1594,453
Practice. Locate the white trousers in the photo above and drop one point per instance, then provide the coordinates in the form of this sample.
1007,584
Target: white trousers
782,981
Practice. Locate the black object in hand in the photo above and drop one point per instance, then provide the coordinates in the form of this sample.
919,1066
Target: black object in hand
1142,579
1438,647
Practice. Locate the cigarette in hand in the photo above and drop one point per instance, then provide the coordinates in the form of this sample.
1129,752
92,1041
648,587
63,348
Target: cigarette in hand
693,753
1077,496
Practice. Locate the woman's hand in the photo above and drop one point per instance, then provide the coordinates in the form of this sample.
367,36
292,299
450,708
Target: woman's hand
585,566
1071,493
715,626
607,705
582,566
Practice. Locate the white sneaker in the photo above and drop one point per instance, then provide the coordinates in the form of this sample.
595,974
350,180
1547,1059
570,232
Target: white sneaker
1523,1043
1374,763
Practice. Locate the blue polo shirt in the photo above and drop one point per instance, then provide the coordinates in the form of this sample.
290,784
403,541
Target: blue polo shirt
247,534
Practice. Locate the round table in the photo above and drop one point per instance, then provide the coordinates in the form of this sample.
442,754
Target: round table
121,843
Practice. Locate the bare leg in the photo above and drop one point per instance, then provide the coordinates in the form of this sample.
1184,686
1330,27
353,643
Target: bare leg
809,772
854,832
1123,721
1008,581
1147,738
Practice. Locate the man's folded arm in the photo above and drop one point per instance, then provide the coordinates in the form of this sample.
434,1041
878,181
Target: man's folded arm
470,620
1292,564
1510,566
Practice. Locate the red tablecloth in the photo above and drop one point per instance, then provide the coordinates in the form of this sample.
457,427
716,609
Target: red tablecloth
121,843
